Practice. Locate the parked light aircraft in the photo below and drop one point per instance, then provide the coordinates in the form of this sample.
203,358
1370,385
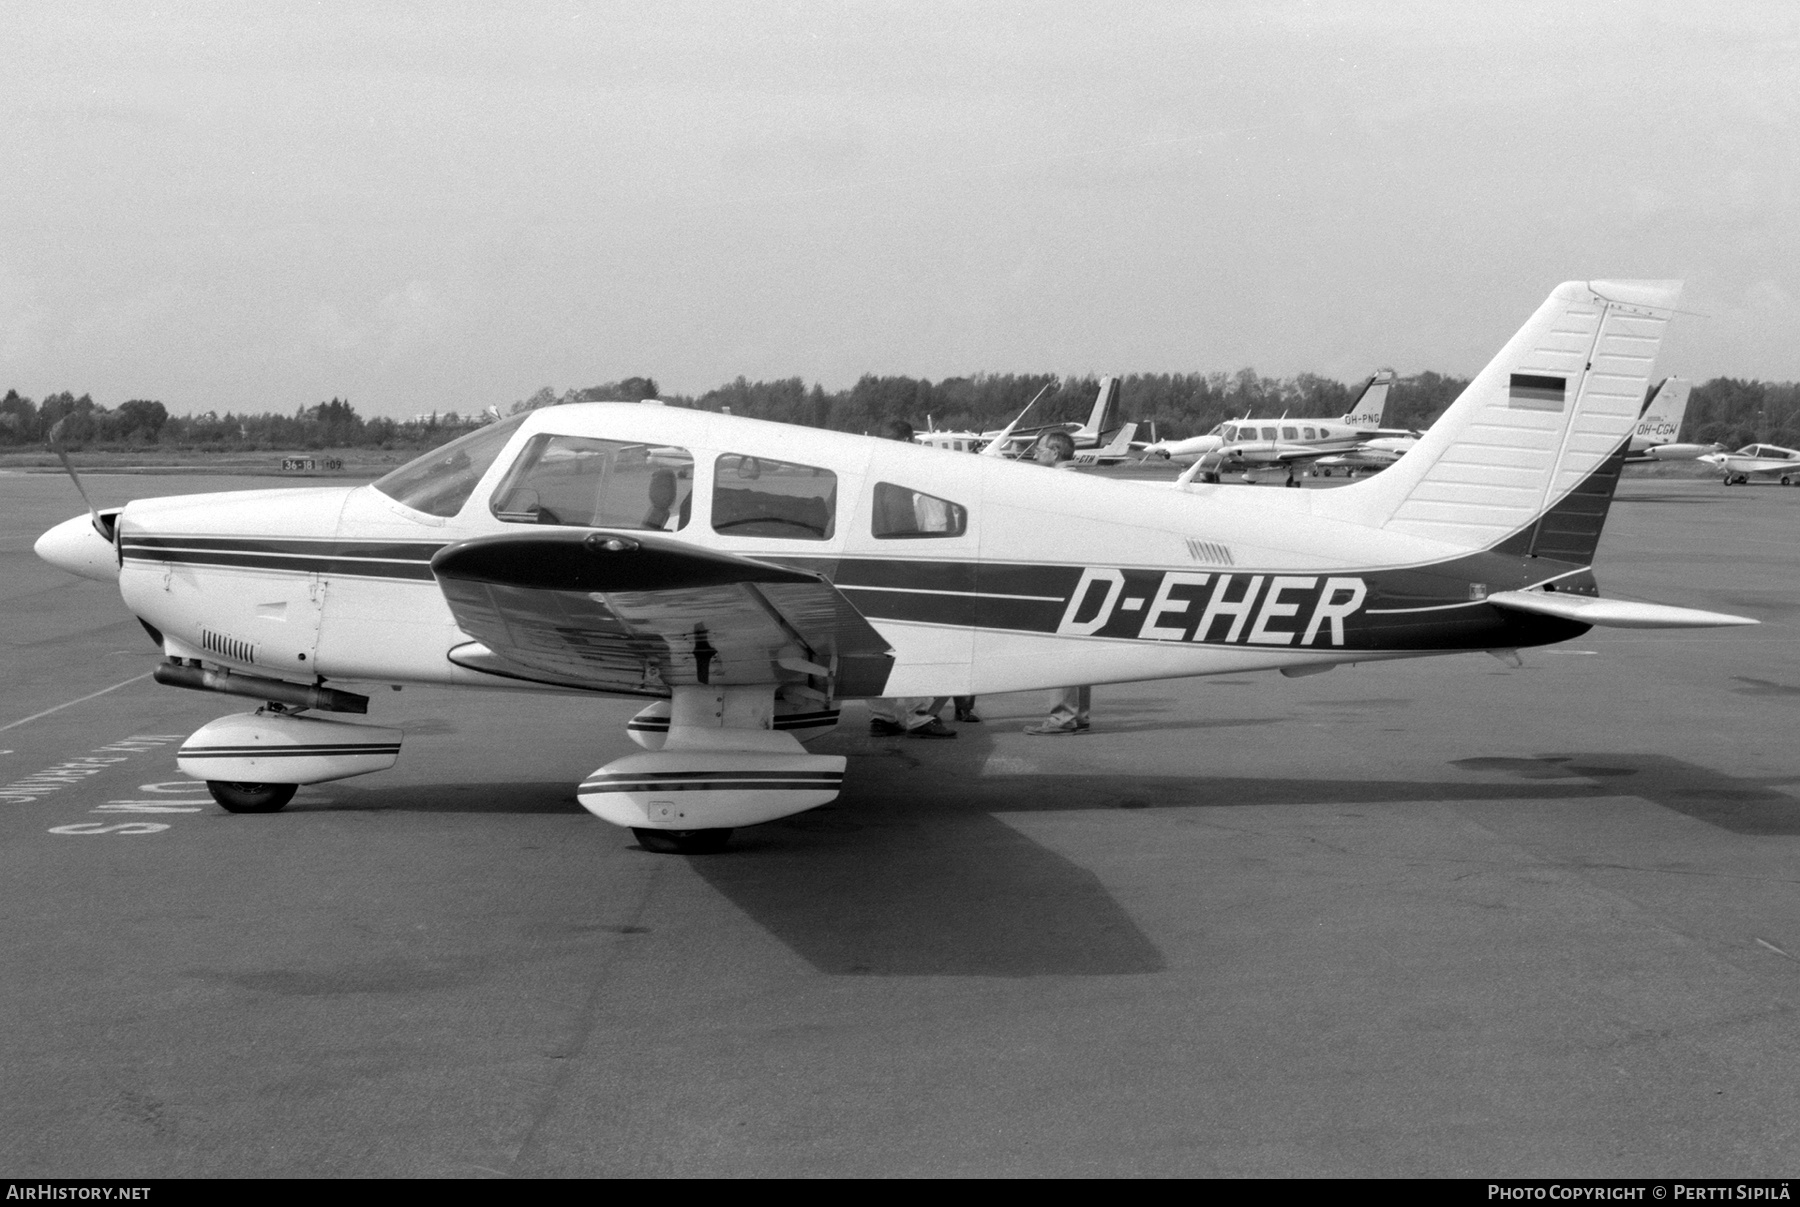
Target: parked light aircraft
1300,439
1763,460
755,575
1289,444
1102,440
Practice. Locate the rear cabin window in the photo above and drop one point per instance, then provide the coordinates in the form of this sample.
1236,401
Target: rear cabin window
1309,433
902,513
441,481
758,496
590,483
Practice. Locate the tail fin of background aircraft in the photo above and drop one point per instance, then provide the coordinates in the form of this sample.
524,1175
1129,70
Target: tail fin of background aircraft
1525,460
1370,410
1664,411
1106,408
1118,449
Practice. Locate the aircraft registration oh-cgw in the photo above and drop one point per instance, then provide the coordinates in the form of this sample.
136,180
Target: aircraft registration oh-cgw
747,577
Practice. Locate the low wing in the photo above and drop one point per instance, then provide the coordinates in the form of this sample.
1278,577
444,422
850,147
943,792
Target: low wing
1299,456
639,614
1615,613
1263,453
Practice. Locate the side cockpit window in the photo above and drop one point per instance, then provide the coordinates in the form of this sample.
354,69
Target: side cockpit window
902,513
441,481
759,496
593,483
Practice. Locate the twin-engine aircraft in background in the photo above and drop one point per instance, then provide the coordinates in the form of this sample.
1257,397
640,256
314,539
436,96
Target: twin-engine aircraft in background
1760,460
1246,444
745,578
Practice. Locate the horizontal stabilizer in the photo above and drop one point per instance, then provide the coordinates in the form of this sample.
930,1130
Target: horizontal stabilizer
1614,613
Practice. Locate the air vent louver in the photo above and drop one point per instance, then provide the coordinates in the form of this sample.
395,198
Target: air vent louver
227,647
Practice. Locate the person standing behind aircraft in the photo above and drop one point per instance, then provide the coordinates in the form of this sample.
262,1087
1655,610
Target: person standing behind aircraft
912,716
1070,712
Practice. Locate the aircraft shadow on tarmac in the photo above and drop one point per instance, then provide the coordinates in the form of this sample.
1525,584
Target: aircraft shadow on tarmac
915,872
1740,804
863,892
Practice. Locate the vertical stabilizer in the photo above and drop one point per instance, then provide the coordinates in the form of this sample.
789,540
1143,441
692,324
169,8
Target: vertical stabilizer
1664,412
1106,409
1537,436
1373,401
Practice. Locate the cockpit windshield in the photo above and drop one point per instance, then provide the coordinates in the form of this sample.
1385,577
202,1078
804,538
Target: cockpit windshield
441,481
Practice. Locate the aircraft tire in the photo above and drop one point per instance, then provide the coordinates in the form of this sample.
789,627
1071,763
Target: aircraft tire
682,842
251,798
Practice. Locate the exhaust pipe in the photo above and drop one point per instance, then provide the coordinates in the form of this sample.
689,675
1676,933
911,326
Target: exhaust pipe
274,691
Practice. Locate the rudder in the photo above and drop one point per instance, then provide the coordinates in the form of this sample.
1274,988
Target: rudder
1530,452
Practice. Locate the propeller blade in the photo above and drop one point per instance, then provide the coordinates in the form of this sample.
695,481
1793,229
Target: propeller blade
55,442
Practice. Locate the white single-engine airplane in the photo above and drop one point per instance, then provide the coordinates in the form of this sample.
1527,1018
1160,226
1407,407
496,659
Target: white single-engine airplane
746,577
1763,460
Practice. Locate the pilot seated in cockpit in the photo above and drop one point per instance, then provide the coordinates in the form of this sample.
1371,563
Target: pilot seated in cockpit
662,499
663,485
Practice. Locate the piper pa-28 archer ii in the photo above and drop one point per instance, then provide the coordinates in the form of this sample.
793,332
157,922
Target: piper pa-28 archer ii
747,577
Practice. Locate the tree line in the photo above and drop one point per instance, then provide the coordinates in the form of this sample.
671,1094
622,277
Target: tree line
1726,410
81,423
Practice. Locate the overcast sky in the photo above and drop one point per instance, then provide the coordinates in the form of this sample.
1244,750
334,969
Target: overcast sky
260,207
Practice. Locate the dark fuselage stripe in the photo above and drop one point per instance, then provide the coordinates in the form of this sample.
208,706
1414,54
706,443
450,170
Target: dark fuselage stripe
293,563
696,777
718,786
798,720
291,752
382,550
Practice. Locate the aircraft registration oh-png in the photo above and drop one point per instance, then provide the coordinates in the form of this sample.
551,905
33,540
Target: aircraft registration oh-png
745,578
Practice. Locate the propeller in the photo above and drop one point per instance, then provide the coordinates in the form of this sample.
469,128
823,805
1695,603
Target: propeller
54,440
